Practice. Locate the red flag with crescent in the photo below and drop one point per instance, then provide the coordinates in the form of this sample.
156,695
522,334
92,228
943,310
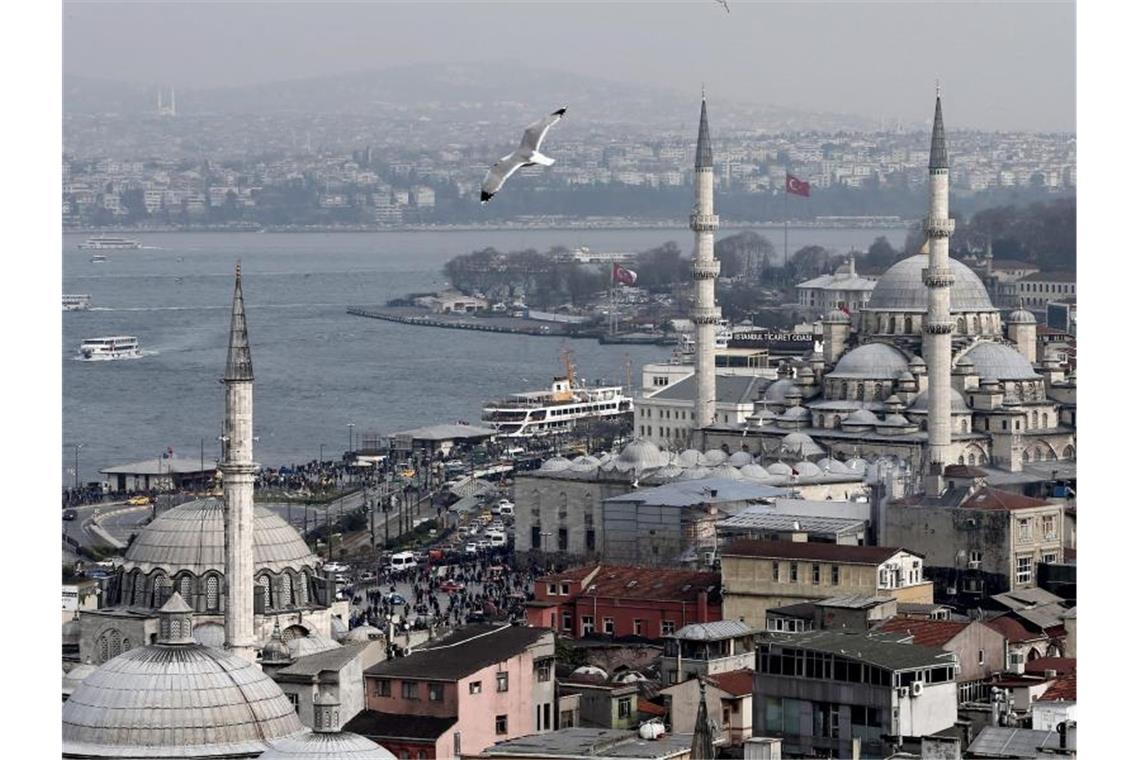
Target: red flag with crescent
797,186
624,276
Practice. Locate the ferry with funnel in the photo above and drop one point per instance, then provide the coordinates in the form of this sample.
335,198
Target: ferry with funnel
106,349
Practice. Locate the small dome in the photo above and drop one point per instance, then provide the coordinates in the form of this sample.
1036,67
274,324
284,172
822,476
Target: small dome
1021,317
640,455
807,469
365,633
590,670
713,457
859,417
321,745
629,676
740,458
755,472
776,392
314,643
831,466
585,463
555,464
857,465
276,651
795,414
689,458
191,537
837,316
71,631
922,402
901,288
892,400
76,676
760,415
895,420
726,471
794,392
1001,361
873,361
779,470
694,473
905,377
667,473
964,366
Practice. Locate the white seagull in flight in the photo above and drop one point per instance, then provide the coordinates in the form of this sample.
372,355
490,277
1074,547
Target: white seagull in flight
725,4
525,155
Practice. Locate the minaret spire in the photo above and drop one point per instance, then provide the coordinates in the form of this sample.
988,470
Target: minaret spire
702,746
705,314
238,472
938,156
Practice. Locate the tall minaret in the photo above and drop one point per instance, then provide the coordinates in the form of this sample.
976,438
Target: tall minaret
706,314
238,471
939,326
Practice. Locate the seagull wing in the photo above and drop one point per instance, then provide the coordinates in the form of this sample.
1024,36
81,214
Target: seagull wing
534,134
498,174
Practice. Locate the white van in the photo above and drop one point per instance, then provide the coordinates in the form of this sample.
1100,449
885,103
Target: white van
402,561
497,538
507,510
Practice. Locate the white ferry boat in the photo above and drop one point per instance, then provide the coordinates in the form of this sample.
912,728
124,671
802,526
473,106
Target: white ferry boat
539,413
76,302
106,349
105,242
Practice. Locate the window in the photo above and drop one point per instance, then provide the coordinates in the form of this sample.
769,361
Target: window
1049,526
975,556
383,687
565,589
608,625
776,572
563,539
435,692
1049,558
551,588
500,724
637,627
567,620
625,705
212,592
981,657
835,575
500,682
542,672
587,624
536,537
411,689
1025,569
667,627
591,540
815,573
795,577
1024,531
295,701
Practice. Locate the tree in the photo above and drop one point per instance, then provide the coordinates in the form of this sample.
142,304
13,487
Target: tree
881,254
809,261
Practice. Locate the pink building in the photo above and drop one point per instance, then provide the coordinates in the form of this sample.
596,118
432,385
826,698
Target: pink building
478,685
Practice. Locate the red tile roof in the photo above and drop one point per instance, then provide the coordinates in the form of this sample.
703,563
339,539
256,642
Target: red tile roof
1064,689
650,708
627,582
738,683
927,633
1013,630
852,555
963,471
992,498
1063,665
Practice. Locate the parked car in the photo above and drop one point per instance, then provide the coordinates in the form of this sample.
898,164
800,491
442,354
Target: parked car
139,501
366,576
471,548
449,586
70,514
395,599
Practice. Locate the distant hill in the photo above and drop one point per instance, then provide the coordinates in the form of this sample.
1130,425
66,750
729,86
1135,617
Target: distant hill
471,92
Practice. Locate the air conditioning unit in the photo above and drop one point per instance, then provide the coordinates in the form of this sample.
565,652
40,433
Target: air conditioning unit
974,564
902,691
916,688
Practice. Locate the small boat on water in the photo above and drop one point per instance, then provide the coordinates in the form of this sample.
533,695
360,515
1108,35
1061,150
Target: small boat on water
105,242
113,347
98,258
76,302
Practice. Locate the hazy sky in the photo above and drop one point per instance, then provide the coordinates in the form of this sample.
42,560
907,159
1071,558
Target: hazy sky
1002,65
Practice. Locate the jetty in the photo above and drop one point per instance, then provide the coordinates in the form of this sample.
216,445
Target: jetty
513,325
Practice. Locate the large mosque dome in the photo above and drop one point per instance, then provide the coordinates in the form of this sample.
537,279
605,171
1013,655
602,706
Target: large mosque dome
901,288
999,362
871,360
176,699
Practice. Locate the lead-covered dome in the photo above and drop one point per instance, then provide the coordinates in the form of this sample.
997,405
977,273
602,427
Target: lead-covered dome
922,402
317,745
874,361
1000,362
901,288
640,455
191,537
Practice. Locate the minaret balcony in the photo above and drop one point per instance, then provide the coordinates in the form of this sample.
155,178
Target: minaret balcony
704,222
939,328
939,227
706,270
938,278
705,315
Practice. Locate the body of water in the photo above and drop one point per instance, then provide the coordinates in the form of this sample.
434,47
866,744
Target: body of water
317,368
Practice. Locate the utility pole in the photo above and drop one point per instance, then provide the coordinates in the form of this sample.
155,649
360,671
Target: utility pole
78,446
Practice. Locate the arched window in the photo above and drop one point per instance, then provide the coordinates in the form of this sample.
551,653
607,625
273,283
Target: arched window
909,326
859,391
140,589
186,589
286,590
110,645
961,459
973,459
965,425
1025,455
303,588
835,421
1034,420
263,589
1070,452
983,459
212,592
843,389
163,588
961,325
970,323
884,323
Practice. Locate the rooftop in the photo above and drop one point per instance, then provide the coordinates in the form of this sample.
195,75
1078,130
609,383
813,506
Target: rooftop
1063,665
461,653
884,650
852,555
374,724
1064,689
592,742
810,524
444,432
1050,277
332,659
629,582
163,466
730,389
738,683
927,633
687,493
999,741
715,631
1013,630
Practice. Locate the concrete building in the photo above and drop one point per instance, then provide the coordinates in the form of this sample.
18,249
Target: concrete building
612,600
844,290
602,702
850,612
167,473
576,743
979,649
460,694
759,575
820,691
728,702
707,649
1039,288
337,672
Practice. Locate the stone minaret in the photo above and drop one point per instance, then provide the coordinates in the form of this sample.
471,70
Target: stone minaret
706,314
238,471
938,328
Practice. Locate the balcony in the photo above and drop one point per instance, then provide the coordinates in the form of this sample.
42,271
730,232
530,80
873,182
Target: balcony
939,227
704,222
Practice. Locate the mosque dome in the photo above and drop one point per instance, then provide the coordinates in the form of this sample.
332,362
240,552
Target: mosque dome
875,361
779,470
555,464
74,677
860,417
178,699
964,366
1000,361
314,643
857,465
365,633
755,472
895,420
922,402
901,288
667,473
317,745
694,473
726,471
777,391
796,414
833,466
191,538
808,469
800,444
740,458
713,457
584,463
641,455
837,316
1021,317
689,458
276,651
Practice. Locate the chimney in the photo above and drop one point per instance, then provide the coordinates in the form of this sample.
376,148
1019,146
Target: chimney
702,607
1067,733
763,748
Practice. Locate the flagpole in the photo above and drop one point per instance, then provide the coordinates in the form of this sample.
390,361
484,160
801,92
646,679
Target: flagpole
613,316
785,224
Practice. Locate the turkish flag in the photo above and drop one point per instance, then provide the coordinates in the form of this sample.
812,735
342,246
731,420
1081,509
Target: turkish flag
624,276
796,186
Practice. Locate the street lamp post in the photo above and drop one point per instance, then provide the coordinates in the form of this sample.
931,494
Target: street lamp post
78,446
321,458
350,427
